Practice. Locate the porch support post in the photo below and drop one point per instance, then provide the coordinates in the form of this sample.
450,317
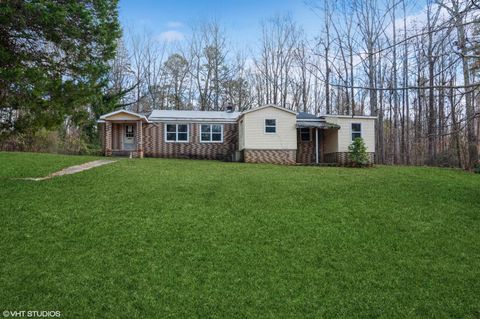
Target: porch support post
316,145
108,138
139,139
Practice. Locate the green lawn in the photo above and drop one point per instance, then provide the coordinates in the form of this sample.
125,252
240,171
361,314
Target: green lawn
14,165
179,238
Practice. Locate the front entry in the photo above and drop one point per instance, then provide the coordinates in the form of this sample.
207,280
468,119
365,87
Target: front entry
308,145
129,137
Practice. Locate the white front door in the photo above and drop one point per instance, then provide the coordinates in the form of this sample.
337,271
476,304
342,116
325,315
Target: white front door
129,137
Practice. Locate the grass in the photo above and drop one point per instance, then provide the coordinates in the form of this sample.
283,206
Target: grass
19,165
179,238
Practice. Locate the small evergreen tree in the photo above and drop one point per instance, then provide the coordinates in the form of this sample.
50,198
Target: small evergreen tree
358,152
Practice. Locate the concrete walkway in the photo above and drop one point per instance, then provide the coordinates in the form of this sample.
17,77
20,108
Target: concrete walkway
72,170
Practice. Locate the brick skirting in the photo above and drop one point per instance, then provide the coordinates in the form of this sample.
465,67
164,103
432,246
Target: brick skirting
270,156
341,158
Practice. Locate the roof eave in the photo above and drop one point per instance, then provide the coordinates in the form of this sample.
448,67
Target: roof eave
349,116
268,105
187,119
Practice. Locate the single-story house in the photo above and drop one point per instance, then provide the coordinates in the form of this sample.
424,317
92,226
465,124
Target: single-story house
266,134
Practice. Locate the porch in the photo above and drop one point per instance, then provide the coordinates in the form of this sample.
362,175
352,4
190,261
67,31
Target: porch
123,134
316,140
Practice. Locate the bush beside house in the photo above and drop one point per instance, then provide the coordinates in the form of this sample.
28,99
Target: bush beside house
358,153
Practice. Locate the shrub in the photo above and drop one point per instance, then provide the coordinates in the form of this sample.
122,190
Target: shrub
56,141
476,168
358,153
446,158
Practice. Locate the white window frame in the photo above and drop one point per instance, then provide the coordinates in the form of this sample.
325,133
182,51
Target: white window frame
265,126
352,131
211,132
176,133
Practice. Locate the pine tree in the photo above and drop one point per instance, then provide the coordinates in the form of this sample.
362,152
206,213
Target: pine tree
358,152
54,60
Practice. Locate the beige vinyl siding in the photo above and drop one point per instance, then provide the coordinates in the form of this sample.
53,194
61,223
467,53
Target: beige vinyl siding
330,141
253,131
345,132
122,117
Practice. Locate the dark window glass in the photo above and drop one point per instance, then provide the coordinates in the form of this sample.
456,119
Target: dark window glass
356,127
356,130
211,133
305,134
355,135
182,136
182,128
129,131
270,126
171,136
171,127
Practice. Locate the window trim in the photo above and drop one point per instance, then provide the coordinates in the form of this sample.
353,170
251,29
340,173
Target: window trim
127,132
352,131
309,134
265,126
211,133
176,133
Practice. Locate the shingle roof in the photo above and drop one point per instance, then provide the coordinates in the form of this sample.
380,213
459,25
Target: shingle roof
306,116
193,115
320,125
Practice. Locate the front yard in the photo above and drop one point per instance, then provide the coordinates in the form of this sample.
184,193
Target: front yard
183,238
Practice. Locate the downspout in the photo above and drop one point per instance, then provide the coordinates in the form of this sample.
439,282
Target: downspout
316,145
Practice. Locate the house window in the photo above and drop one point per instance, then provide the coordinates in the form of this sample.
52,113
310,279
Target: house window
129,132
270,126
305,134
211,133
176,133
356,130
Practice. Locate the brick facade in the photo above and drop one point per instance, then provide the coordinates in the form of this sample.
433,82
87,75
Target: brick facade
306,149
151,143
117,135
270,156
108,139
101,132
139,140
111,135
154,144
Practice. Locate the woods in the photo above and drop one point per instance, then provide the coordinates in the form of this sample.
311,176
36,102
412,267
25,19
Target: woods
54,64
415,67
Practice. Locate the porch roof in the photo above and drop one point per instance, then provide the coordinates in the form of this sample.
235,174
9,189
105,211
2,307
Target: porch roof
320,125
122,115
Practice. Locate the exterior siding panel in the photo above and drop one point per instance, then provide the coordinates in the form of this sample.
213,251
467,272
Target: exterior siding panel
344,133
254,136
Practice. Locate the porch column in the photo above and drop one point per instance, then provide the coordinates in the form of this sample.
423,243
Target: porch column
108,138
139,139
316,145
